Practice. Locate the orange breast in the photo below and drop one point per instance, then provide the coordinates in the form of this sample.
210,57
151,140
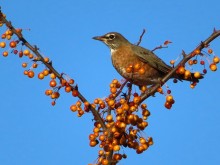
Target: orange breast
124,57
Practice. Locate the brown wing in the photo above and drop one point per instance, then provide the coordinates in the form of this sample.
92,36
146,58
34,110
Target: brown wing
150,58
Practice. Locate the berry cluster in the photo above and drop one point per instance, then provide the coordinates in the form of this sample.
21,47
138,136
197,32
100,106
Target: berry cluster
124,128
12,44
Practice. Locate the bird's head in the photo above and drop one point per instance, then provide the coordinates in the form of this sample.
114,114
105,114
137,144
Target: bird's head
113,40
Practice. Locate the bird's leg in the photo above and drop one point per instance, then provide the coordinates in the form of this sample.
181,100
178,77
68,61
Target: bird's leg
129,85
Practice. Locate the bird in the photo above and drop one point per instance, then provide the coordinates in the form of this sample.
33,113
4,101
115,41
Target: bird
136,64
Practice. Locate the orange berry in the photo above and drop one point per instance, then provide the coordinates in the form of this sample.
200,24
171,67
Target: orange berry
113,90
2,44
55,95
137,99
19,30
92,137
160,90
143,88
53,103
142,140
9,32
111,102
68,89
129,69
13,44
114,81
117,157
101,152
195,61
122,125
78,103
96,129
197,51
3,36
5,53
116,148
139,150
75,93
190,62
20,54
31,56
102,137
119,111
24,65
146,112
26,52
141,71
93,143
143,106
73,108
137,66
125,107
63,82
86,103
122,101
213,67
80,113
53,76
53,83
104,162
8,37
197,75
181,70
25,72
172,62
48,92
41,76
109,118
169,98
192,86
210,51
187,74
34,65
216,60
31,74
45,72
71,81
168,105
46,59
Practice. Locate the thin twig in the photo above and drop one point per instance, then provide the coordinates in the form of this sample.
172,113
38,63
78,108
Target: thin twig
141,36
159,47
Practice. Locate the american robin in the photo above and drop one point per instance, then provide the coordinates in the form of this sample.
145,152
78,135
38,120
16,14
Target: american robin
150,69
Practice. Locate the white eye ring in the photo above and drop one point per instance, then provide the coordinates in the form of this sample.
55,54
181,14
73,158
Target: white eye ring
111,36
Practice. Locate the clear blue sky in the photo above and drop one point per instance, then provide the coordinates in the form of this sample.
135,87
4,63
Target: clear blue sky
32,132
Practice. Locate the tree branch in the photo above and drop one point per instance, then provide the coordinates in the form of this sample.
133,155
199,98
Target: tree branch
186,57
34,49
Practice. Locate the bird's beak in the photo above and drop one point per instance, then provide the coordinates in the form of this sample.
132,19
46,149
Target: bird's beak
100,38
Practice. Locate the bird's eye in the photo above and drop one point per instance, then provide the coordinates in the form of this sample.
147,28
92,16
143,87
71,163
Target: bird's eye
111,36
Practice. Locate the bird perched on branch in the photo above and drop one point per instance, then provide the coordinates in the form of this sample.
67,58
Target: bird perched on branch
138,65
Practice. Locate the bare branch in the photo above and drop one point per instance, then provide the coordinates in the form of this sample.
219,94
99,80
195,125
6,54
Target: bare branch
141,36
